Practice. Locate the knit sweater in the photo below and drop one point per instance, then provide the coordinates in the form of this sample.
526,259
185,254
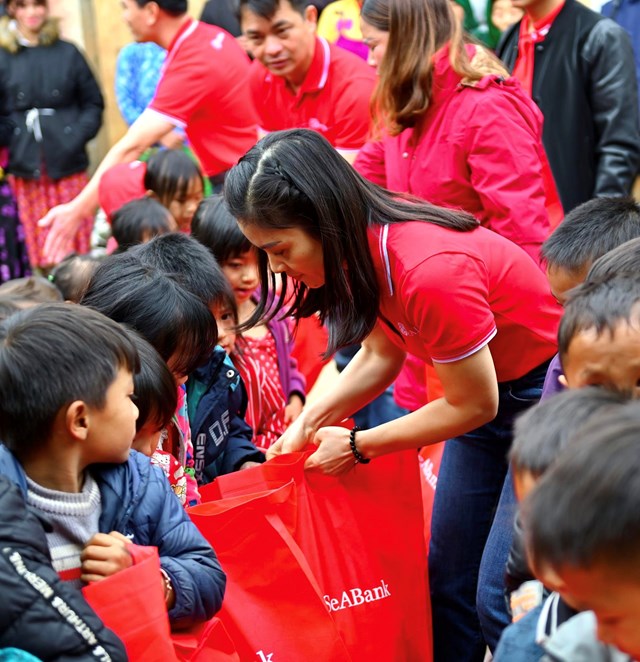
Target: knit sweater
74,518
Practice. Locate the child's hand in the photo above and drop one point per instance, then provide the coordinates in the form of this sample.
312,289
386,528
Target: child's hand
248,465
293,409
104,555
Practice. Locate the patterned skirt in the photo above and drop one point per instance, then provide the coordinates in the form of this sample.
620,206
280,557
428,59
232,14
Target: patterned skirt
35,197
14,262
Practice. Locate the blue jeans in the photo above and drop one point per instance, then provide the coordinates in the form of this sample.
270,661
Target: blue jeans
471,530
381,410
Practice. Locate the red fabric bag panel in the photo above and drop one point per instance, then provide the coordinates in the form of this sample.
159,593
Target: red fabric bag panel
208,642
273,608
131,603
362,536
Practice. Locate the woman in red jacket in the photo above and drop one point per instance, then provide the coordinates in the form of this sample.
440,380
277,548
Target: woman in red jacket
402,276
453,128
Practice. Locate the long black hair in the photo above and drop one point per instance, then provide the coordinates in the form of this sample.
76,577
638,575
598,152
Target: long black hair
297,179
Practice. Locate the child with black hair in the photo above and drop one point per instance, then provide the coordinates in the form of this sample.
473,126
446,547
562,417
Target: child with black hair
176,323
30,290
623,260
587,233
72,275
542,435
67,438
599,335
270,343
8,306
176,181
157,400
598,344
216,399
140,220
265,404
169,176
583,534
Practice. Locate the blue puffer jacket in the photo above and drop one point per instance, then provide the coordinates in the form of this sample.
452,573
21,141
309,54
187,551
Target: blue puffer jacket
217,402
138,502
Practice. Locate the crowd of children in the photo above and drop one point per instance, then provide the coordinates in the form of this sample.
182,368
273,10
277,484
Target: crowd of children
130,381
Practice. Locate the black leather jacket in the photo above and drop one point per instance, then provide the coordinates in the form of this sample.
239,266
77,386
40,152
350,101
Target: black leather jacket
584,82
39,613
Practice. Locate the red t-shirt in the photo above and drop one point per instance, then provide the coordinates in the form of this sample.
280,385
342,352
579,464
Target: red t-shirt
333,99
203,89
447,294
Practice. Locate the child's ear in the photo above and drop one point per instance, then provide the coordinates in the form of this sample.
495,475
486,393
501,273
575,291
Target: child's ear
563,381
77,420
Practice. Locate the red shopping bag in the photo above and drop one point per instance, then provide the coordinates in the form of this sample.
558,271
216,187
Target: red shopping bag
362,536
273,607
131,603
430,459
207,642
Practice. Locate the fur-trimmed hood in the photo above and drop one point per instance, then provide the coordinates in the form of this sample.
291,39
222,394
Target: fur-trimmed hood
9,35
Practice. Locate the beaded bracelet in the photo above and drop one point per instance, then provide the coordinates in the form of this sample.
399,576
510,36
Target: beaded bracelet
360,459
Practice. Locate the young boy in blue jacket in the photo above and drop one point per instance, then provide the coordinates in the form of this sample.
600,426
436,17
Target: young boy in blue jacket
67,420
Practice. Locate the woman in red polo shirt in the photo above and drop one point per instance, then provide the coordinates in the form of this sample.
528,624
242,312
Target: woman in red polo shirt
453,129
400,275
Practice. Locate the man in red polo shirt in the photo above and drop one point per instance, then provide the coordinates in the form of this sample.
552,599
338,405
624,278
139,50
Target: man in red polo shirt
300,81
202,89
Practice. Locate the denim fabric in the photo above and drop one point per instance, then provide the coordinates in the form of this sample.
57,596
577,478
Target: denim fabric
471,530
381,410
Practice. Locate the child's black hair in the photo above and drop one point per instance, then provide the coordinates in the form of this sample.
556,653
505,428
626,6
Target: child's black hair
584,511
625,259
31,289
8,306
591,230
542,432
169,173
50,356
177,323
156,393
140,220
190,263
600,306
214,227
72,275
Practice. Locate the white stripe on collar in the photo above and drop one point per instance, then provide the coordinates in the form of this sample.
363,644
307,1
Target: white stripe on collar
384,254
327,62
